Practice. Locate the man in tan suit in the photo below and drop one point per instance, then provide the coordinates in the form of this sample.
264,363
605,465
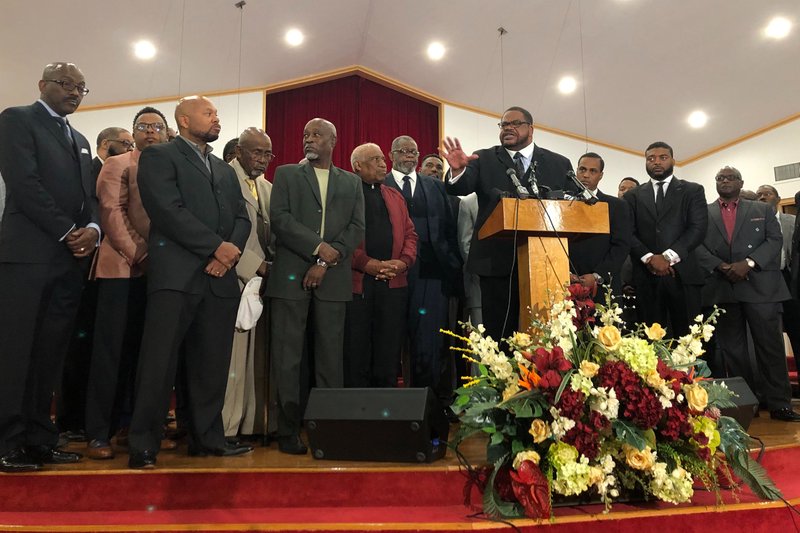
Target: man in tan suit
119,269
247,397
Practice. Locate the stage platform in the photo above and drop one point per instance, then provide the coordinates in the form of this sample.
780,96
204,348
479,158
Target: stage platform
270,491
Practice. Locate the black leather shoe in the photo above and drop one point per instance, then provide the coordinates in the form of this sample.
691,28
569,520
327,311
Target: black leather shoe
229,450
52,456
292,445
18,461
785,414
145,459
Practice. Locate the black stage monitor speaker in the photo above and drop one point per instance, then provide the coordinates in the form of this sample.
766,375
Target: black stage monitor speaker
398,425
746,402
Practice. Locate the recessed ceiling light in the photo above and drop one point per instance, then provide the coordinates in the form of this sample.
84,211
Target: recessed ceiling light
567,85
144,49
778,28
294,37
697,119
436,51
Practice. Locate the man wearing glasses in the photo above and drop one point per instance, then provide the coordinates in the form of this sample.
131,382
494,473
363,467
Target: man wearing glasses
110,142
122,289
49,231
487,173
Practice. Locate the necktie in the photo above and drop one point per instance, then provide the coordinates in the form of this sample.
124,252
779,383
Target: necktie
519,166
660,196
64,125
407,188
252,184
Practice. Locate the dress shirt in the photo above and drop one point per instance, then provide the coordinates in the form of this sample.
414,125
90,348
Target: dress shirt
398,178
728,212
200,153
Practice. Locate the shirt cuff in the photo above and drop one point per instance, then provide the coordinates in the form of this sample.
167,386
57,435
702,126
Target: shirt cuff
671,256
99,233
646,257
316,250
67,233
454,179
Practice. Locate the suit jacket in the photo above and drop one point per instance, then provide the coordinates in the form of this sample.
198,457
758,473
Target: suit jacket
404,241
487,176
441,226
97,166
192,211
49,186
123,219
605,254
787,223
756,235
296,217
253,253
680,227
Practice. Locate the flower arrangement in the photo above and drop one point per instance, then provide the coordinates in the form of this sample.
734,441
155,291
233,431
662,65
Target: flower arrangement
577,408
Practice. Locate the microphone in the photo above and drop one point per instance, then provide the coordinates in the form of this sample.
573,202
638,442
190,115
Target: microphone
522,192
583,193
534,182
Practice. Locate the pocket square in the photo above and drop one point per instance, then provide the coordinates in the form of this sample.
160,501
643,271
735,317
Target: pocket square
757,219
85,151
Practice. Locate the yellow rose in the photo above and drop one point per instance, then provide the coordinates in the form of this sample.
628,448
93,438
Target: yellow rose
654,379
655,332
596,475
610,337
540,430
639,459
523,340
696,397
589,369
527,455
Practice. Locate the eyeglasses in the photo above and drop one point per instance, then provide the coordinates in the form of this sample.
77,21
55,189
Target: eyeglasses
127,144
406,151
726,177
157,127
69,86
513,124
260,154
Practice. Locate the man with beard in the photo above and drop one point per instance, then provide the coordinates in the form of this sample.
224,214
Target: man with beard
198,227
741,256
317,215
110,142
670,219
433,166
432,279
121,288
248,393
486,172
48,232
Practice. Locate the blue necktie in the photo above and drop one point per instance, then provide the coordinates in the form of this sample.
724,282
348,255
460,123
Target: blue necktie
407,188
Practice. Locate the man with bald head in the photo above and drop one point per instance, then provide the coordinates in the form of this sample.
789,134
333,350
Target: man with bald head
198,227
244,411
317,215
49,232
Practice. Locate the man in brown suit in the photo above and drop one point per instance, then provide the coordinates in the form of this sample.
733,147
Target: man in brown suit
244,411
119,269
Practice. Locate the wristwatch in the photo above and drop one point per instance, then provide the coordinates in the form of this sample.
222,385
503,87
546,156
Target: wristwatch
750,262
598,278
322,263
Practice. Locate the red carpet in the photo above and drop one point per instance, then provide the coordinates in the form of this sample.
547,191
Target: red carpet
405,499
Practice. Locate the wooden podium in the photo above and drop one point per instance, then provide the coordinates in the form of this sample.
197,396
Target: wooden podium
544,229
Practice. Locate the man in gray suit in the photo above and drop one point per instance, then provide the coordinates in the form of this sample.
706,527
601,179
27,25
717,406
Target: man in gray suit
741,258
317,215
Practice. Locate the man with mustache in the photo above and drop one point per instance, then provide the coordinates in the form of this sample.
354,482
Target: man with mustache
198,227
48,233
670,220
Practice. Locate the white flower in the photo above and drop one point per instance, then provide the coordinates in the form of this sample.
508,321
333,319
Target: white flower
560,425
604,401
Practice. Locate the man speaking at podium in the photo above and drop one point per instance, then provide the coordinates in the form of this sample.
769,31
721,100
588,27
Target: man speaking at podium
515,168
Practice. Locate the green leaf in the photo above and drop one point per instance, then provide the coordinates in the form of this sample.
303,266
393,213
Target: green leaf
718,395
734,444
629,434
494,452
564,383
493,506
650,437
516,447
496,439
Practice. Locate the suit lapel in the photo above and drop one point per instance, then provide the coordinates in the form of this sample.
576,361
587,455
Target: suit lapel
390,181
191,156
742,214
333,185
311,178
715,216
49,123
672,196
647,197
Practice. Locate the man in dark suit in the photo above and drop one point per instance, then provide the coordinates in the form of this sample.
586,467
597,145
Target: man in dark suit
486,172
48,232
741,258
198,227
317,215
597,260
669,221
431,280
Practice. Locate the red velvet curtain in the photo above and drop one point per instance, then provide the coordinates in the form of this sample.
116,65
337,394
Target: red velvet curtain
362,111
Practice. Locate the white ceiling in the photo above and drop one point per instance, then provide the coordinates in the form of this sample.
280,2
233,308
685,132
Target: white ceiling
646,63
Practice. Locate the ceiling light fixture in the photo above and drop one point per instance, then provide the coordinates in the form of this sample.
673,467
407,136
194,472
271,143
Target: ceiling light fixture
144,49
567,85
778,28
697,119
436,51
294,37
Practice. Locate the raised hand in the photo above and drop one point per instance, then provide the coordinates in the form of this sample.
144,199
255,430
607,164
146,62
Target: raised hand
455,155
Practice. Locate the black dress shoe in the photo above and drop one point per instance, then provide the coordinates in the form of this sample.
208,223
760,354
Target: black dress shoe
18,461
292,445
785,414
228,450
145,459
52,456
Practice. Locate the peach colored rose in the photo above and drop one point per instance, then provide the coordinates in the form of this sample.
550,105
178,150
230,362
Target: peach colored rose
696,397
610,337
639,459
655,332
540,430
589,369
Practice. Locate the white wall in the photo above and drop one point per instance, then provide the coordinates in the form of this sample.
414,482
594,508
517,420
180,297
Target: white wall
250,106
476,131
755,158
